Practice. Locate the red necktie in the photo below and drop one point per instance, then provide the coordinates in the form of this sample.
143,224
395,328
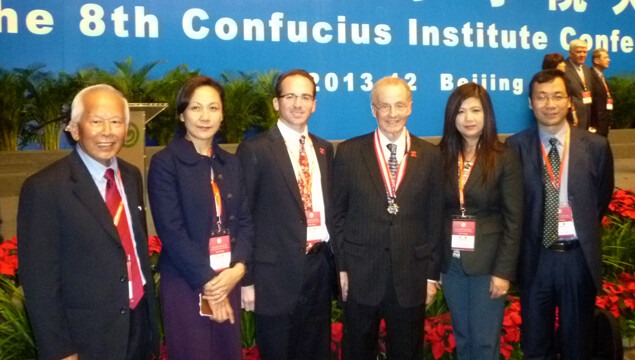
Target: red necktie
304,182
118,212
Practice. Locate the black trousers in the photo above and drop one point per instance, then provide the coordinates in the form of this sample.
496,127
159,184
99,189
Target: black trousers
563,281
305,332
140,337
404,329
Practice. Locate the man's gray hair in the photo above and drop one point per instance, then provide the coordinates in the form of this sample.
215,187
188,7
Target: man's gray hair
77,107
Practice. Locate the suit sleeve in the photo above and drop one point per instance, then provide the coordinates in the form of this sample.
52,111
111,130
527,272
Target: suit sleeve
512,194
186,254
341,173
40,269
435,221
245,242
605,177
249,162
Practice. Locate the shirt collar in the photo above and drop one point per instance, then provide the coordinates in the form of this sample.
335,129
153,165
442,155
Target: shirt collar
95,168
289,134
560,135
400,142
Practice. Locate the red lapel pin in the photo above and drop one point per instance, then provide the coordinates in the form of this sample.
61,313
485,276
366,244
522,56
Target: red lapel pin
413,154
322,151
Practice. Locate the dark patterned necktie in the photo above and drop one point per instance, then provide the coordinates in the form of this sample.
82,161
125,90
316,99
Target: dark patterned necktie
392,160
304,182
552,197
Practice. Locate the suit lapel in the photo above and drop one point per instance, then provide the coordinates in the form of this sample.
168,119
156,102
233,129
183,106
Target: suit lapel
320,154
87,193
281,156
413,163
574,157
475,176
370,158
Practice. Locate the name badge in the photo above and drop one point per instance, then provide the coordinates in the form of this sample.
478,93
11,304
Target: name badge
565,222
586,97
313,229
609,104
220,253
463,233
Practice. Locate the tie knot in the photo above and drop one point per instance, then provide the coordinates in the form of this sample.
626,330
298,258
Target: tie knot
393,148
553,141
302,140
110,175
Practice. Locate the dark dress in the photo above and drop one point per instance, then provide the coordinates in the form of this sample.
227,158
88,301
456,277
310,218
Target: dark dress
183,209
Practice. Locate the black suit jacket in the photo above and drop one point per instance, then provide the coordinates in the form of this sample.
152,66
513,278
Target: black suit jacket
601,116
498,208
575,88
590,188
370,242
72,263
278,265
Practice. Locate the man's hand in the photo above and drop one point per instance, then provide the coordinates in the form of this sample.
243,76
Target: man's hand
344,285
431,292
498,287
221,285
248,298
72,357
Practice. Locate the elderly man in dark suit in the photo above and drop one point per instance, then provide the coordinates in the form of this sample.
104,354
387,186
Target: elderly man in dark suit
602,99
568,175
83,247
287,172
579,81
387,199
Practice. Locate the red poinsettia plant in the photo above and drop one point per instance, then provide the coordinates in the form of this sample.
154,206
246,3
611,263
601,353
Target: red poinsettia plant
9,257
619,299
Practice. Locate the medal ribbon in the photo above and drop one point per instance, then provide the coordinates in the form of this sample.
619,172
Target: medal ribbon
463,182
556,184
391,184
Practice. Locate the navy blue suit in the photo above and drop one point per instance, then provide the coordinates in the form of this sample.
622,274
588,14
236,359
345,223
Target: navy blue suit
184,213
590,185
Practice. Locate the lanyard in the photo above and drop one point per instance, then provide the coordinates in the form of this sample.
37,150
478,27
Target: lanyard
608,92
217,197
120,207
548,163
390,183
462,182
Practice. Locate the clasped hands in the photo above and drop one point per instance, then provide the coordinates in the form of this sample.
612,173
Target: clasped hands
216,290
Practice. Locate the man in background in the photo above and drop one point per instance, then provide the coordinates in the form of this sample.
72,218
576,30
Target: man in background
602,100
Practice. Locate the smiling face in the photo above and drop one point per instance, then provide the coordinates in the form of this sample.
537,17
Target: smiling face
470,119
203,115
101,128
391,106
296,102
550,103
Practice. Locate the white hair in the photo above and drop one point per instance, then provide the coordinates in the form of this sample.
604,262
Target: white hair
77,107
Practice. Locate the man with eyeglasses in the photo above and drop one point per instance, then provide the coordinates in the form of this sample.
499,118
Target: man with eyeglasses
290,280
387,200
568,176
83,247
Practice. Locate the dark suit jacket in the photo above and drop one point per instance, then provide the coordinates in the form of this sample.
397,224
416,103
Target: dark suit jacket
280,221
370,242
575,88
184,213
498,208
601,117
72,263
590,189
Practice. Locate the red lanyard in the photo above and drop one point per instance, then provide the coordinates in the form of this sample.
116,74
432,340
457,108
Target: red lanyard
120,207
462,182
390,183
217,196
548,164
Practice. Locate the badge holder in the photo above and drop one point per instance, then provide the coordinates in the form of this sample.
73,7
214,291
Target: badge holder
463,232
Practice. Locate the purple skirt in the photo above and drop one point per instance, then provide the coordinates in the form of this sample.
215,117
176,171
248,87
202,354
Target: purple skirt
190,336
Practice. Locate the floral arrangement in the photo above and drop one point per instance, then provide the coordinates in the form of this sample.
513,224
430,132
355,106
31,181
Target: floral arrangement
9,257
619,299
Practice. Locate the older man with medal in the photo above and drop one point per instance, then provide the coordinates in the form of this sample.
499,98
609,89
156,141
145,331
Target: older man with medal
387,228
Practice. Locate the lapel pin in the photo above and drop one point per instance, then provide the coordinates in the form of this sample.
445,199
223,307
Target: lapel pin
322,151
413,154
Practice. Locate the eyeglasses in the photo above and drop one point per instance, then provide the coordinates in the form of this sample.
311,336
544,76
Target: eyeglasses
304,98
556,98
385,108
